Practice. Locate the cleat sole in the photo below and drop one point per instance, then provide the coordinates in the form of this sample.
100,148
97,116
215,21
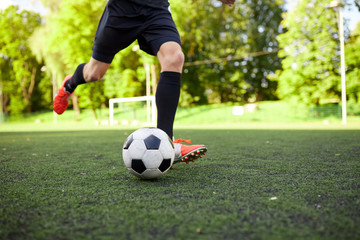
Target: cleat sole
192,156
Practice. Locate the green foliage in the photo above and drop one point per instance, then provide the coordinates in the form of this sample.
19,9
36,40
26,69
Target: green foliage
20,71
352,59
74,25
126,76
91,96
212,31
311,53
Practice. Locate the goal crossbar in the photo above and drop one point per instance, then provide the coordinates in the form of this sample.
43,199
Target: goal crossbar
150,108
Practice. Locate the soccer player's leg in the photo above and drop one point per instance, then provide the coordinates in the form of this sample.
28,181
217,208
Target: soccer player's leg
171,59
87,72
106,45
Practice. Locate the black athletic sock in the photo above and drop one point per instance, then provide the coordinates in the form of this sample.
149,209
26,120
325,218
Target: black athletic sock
76,79
167,99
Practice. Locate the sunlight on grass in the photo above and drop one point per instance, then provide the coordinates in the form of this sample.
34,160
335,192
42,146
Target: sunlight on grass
266,115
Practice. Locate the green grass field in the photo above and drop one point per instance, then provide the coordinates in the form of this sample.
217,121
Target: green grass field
252,184
267,111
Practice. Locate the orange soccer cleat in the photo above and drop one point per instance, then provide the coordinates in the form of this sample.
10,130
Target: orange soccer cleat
187,153
61,99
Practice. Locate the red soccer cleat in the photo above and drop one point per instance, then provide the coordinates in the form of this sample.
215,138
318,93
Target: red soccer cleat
187,153
61,99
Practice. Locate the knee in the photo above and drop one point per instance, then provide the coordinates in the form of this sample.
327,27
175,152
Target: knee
177,58
173,61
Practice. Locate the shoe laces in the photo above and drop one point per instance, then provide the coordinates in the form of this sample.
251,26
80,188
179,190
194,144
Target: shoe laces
181,140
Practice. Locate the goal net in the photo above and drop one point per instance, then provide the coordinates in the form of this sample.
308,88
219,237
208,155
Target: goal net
132,111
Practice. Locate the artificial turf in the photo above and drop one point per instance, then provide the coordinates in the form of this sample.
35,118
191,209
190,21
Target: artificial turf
252,184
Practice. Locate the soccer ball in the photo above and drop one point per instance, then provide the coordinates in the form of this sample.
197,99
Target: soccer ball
148,153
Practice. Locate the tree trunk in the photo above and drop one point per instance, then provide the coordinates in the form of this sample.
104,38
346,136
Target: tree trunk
5,100
27,92
31,88
260,96
95,116
75,103
32,82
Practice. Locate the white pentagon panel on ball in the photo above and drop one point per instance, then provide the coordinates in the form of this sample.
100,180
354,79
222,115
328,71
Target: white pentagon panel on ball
152,159
160,134
167,150
142,133
151,174
137,149
127,158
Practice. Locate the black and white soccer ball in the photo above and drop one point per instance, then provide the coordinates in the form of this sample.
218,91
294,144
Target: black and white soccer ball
148,153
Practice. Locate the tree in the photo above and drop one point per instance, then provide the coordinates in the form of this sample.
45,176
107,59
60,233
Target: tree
126,76
263,26
352,60
20,69
311,54
213,31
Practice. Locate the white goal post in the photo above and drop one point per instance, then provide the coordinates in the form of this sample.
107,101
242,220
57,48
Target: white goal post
150,108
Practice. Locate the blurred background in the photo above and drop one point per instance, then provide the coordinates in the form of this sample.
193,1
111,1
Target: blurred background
258,61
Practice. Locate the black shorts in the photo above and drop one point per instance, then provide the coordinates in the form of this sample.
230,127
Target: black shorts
124,22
